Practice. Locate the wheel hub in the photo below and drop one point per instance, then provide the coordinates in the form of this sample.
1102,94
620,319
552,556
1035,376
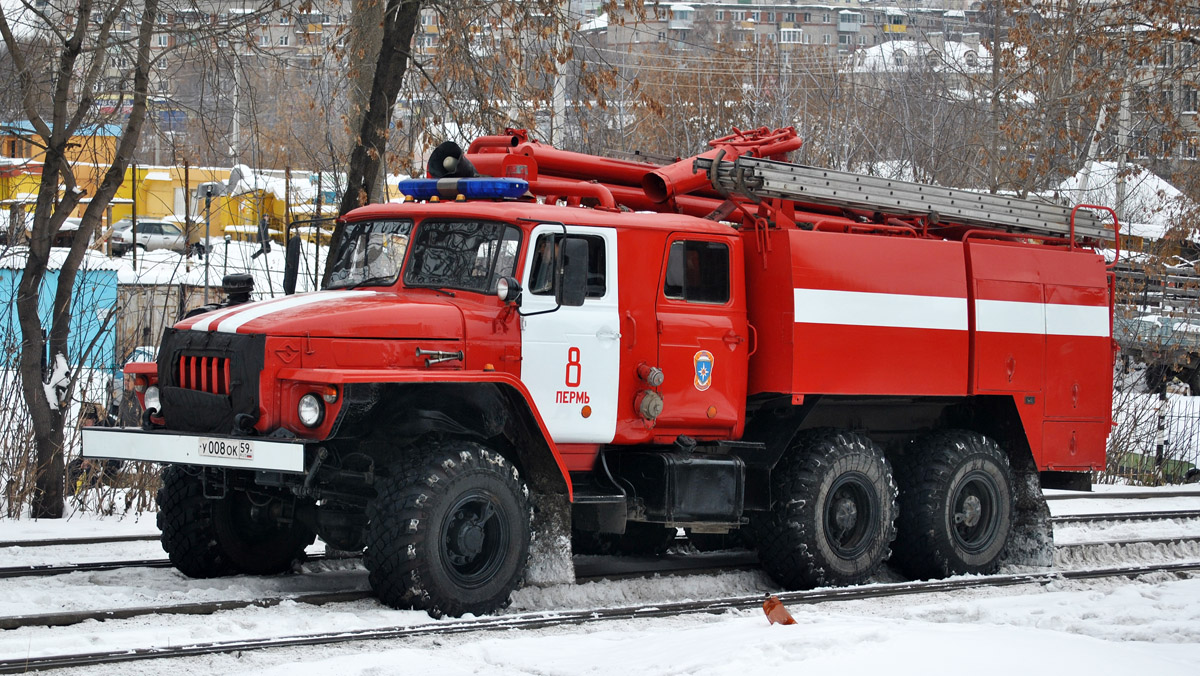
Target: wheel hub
976,512
845,514
468,536
972,511
849,511
475,539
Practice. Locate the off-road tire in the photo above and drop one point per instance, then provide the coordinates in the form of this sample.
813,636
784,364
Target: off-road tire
185,519
448,531
956,505
834,511
206,538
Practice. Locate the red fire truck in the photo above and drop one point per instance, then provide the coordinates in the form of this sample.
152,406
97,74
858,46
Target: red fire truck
836,368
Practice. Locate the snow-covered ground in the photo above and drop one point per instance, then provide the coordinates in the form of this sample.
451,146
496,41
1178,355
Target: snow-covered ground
1113,626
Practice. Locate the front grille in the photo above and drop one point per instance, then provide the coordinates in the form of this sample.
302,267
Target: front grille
208,379
204,374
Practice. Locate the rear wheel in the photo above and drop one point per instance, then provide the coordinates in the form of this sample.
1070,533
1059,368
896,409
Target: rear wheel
449,531
833,514
956,505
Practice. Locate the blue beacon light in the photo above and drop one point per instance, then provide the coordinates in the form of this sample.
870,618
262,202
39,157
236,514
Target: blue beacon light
470,188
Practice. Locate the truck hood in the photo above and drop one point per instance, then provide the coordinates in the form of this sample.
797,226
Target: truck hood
358,313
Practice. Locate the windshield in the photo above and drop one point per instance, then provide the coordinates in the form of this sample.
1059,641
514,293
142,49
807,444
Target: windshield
468,255
371,254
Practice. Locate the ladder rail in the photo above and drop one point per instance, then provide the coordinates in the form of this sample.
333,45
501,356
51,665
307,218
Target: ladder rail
758,178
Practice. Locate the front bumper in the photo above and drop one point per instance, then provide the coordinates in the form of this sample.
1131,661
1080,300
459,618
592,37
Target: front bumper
131,443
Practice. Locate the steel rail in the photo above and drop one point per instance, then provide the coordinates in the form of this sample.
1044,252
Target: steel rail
1182,539
539,620
48,570
67,542
1126,516
1129,495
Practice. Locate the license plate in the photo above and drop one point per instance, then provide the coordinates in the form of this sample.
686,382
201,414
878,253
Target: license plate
235,449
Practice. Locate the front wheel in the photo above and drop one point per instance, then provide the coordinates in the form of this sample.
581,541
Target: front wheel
238,533
833,515
449,531
956,505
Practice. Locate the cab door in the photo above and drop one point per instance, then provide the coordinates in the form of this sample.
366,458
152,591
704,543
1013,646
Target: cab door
703,337
570,356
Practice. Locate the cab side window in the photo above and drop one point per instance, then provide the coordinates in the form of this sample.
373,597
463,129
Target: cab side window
697,272
541,275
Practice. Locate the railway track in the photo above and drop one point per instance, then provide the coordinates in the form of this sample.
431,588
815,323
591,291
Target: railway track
588,569
560,618
101,566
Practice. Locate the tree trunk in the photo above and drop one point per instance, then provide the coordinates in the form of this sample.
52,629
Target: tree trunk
370,144
47,392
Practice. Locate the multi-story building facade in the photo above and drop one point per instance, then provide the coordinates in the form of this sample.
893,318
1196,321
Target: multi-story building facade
832,28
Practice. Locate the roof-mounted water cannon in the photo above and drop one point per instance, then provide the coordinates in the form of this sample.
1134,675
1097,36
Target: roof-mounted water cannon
682,178
448,161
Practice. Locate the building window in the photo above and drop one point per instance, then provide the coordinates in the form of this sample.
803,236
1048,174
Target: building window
720,15
283,40
825,18
790,17
162,40
791,36
1189,99
808,17
264,40
826,39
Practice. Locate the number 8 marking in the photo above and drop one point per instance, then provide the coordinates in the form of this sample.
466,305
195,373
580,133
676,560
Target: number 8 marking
574,368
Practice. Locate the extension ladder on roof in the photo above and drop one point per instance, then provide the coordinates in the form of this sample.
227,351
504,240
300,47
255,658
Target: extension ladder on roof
758,178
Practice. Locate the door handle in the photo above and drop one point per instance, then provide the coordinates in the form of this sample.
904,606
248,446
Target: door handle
608,334
732,340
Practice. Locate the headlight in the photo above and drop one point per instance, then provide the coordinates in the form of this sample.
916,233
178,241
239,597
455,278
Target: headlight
311,410
153,402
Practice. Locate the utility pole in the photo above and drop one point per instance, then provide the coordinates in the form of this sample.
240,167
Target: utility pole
133,167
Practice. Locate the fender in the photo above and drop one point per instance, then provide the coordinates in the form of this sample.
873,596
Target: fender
508,384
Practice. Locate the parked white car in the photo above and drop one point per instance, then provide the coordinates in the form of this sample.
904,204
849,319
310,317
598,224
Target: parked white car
151,234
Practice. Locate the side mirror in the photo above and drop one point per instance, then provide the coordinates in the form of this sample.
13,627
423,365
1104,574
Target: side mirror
508,290
291,265
570,282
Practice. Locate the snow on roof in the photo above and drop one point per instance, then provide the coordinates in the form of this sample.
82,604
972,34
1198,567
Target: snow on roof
1150,201
14,259
899,55
157,176
598,23
22,127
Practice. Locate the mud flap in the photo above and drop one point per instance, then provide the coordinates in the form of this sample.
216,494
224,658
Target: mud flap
1032,540
550,545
